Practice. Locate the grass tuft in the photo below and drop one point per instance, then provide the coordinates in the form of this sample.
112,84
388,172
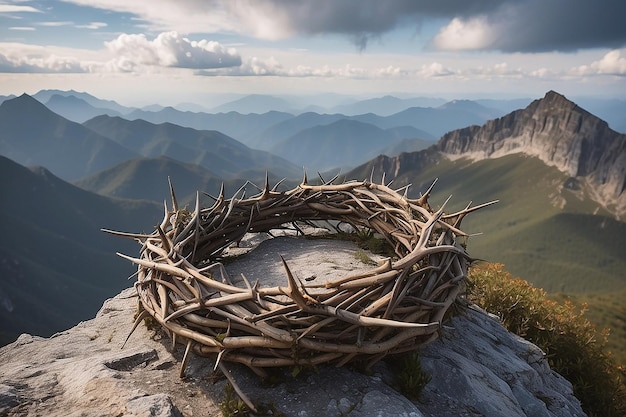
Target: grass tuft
232,405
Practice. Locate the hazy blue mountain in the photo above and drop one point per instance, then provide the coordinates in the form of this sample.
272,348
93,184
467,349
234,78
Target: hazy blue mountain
236,125
212,150
76,109
186,107
385,106
343,143
436,121
612,111
45,95
255,103
410,132
505,105
32,134
56,266
473,108
152,108
5,98
281,131
406,145
147,179
263,130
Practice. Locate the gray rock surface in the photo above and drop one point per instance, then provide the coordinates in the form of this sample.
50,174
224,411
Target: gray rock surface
477,368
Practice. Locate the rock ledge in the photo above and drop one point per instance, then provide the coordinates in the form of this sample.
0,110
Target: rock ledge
477,368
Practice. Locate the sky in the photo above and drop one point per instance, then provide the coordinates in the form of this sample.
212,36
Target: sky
174,51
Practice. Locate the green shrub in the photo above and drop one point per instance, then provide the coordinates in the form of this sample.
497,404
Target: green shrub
232,405
573,346
411,377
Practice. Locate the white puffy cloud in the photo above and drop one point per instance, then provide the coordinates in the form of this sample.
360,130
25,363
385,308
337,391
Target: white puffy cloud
126,53
169,49
459,34
612,63
14,8
434,69
14,58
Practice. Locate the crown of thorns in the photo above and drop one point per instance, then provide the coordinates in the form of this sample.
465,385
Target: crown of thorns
392,308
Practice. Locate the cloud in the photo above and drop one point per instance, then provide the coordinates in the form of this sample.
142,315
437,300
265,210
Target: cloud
434,69
18,58
169,49
23,28
93,25
612,63
255,67
505,25
474,33
12,8
126,53
55,24
539,26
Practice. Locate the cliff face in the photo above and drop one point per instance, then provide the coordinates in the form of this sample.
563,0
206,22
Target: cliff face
558,132
477,368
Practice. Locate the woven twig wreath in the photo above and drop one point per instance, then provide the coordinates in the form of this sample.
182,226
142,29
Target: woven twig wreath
393,308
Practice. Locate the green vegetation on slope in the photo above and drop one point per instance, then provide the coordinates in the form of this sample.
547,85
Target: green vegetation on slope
543,232
605,310
572,345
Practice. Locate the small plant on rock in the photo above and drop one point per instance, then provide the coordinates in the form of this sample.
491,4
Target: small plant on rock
411,377
232,405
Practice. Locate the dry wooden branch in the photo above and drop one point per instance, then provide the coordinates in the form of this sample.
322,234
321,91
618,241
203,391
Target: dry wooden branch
392,308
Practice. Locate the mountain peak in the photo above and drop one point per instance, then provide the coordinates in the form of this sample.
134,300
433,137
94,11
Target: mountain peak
25,107
555,100
558,132
25,98
553,95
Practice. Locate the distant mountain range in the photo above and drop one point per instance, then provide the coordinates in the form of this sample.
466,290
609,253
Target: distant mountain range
344,143
44,96
256,129
256,103
32,134
558,170
222,155
610,110
76,109
147,179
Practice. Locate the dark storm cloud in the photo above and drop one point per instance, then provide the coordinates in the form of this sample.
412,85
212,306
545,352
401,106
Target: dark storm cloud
516,25
563,25
366,19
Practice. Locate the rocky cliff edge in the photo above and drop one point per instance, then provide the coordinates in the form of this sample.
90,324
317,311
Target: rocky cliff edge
478,369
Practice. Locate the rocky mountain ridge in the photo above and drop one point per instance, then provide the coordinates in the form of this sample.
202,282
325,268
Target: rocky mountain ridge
561,134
